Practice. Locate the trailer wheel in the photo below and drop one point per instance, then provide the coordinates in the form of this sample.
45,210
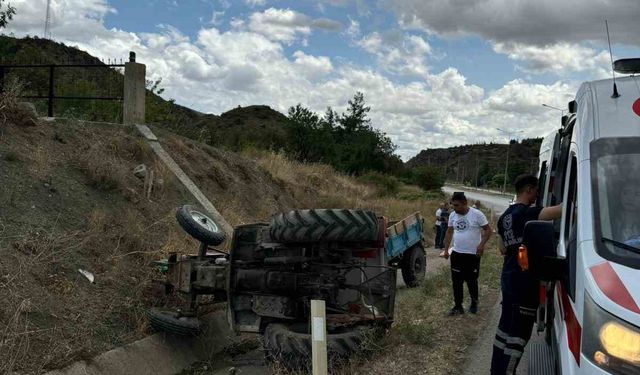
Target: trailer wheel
199,226
165,320
290,344
413,266
324,225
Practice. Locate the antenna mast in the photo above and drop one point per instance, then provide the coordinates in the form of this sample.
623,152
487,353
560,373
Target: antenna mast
47,22
615,87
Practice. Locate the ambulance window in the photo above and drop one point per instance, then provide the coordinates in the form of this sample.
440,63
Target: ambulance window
570,230
542,182
571,205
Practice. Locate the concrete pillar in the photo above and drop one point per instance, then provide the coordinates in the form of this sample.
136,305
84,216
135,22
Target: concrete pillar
134,91
318,337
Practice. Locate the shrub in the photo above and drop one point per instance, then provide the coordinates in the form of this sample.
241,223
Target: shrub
387,185
427,177
14,111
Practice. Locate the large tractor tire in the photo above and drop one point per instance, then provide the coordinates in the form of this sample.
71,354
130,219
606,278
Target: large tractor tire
324,225
413,266
199,226
164,320
290,344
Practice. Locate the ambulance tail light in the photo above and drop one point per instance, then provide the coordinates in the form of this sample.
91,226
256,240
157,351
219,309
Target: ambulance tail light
609,342
523,258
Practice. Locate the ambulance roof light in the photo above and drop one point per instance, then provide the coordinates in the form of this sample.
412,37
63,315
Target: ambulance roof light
627,66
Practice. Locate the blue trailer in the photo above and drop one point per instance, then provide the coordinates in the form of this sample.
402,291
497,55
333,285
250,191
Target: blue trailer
404,248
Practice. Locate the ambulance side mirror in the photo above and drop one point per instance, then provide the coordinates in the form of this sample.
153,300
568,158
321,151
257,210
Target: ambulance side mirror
540,242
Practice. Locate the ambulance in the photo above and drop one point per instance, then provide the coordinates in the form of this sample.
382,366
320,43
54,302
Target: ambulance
588,262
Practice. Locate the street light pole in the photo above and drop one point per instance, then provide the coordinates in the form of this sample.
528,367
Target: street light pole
506,166
556,108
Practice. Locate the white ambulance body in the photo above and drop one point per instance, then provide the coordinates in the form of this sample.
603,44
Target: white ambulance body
590,259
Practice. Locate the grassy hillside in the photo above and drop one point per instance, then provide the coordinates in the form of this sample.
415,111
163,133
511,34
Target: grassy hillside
347,141
256,126
70,201
481,165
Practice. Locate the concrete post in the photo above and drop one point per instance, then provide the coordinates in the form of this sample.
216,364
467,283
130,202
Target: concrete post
134,92
318,337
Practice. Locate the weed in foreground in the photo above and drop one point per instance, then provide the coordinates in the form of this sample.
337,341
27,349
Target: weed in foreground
419,333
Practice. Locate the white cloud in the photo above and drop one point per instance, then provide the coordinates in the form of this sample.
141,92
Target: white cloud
353,31
312,67
362,6
398,53
540,22
254,3
218,70
280,24
560,58
518,96
286,25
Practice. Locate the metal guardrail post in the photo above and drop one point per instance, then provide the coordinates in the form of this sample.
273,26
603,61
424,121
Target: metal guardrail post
50,99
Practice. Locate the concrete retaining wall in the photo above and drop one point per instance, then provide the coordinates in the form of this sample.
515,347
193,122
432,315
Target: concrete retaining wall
160,354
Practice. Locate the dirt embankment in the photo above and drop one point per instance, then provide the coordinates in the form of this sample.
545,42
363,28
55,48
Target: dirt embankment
69,200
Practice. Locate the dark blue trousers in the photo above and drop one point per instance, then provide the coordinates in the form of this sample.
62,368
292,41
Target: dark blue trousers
519,304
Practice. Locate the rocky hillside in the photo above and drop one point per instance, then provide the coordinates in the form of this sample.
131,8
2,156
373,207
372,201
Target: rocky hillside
481,164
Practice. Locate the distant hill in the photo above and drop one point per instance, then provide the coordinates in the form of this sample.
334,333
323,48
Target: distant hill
481,164
256,126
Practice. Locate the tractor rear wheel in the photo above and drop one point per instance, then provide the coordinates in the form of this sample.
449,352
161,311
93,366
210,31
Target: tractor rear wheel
324,225
290,344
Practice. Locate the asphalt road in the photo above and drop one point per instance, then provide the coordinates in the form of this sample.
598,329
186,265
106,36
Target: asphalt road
492,200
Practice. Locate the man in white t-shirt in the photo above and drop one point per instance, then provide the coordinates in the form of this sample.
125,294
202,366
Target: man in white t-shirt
470,231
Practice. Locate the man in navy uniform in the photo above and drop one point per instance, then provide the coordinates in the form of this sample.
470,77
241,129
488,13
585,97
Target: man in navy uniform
519,290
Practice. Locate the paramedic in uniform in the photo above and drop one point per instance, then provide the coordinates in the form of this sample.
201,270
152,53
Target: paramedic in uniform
467,234
519,291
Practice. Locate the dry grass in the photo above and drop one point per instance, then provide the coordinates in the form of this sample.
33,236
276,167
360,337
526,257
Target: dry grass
320,186
73,202
11,109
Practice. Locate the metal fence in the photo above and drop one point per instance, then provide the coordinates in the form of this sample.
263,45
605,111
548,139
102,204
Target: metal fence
51,71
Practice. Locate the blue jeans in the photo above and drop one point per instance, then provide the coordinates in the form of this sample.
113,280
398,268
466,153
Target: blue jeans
441,231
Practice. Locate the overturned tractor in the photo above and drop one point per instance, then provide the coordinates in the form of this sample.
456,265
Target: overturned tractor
348,258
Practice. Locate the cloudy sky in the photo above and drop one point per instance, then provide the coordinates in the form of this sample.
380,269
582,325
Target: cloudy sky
436,73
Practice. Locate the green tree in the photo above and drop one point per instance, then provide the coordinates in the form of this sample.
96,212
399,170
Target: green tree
427,177
356,118
6,14
497,180
302,127
360,147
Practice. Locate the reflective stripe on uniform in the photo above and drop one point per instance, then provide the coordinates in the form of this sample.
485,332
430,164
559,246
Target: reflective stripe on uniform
527,311
501,334
516,340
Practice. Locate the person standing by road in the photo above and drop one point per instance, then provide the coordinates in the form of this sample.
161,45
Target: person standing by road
467,233
442,217
519,289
